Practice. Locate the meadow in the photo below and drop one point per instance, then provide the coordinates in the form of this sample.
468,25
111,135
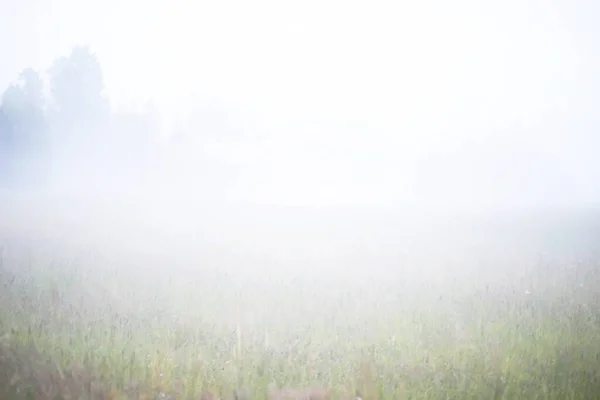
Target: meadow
504,311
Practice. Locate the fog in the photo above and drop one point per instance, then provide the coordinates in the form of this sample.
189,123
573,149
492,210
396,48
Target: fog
268,152
274,129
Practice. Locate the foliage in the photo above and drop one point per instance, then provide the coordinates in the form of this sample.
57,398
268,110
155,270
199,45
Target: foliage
76,86
72,130
23,140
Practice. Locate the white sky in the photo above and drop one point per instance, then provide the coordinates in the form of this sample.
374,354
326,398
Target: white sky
388,78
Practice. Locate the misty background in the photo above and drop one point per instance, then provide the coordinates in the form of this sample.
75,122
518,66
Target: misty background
211,195
301,134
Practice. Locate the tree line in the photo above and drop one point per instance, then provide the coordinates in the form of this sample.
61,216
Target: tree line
66,128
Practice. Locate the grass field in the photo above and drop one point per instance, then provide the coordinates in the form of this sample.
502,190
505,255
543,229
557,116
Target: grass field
437,323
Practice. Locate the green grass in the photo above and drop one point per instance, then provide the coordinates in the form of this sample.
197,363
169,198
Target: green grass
140,334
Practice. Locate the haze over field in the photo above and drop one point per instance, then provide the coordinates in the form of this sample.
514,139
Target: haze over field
382,104
208,195
314,136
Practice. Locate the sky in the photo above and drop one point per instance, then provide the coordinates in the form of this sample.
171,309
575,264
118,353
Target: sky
376,94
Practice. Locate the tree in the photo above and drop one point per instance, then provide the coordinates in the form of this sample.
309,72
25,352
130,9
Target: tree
23,140
79,114
77,85
79,110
